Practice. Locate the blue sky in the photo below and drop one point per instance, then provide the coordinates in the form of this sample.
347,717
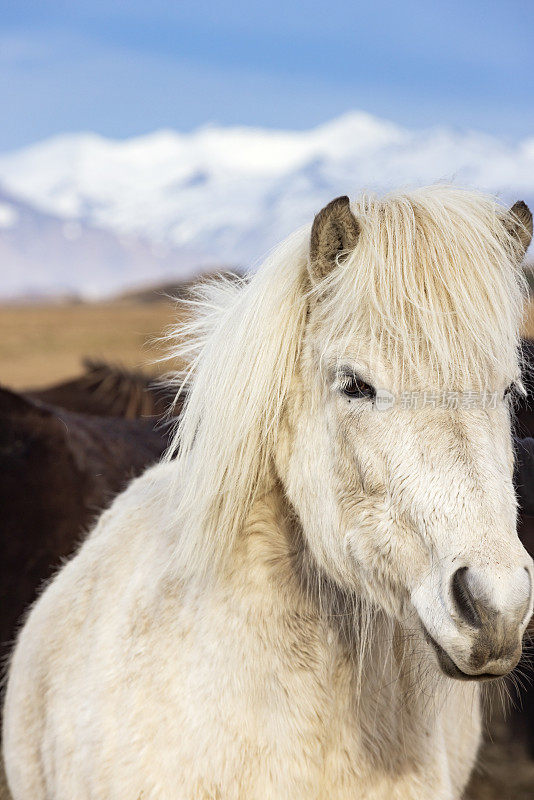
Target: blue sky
127,68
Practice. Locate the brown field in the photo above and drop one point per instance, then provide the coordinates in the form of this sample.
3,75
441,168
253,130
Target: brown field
528,322
40,345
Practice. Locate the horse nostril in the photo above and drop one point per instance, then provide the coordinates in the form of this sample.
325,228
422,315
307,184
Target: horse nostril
463,599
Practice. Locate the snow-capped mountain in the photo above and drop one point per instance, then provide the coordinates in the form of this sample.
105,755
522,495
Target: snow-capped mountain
229,194
45,255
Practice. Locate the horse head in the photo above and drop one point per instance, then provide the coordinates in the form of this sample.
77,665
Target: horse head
399,457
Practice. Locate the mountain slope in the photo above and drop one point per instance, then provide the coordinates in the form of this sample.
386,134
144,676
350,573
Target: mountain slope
42,254
229,194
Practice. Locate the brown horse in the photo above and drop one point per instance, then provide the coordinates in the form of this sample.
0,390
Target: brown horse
58,470
109,390
522,722
524,447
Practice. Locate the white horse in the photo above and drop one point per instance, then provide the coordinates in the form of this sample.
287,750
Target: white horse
302,605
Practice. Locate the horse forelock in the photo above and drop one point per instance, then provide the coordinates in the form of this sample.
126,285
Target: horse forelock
434,288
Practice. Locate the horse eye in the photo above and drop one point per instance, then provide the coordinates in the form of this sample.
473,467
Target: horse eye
354,387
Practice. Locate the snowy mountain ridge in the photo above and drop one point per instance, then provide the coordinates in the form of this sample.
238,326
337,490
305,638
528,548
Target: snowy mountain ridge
223,194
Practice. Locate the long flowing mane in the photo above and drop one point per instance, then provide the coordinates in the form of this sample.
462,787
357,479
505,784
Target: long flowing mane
435,284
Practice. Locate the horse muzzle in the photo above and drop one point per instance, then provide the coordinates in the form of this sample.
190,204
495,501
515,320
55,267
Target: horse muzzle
476,630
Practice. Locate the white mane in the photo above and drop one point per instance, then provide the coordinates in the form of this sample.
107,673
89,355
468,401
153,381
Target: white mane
426,263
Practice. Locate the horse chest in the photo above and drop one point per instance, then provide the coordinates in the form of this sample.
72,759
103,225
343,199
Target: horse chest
237,715
246,717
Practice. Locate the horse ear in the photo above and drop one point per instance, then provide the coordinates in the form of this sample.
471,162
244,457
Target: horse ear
519,225
335,229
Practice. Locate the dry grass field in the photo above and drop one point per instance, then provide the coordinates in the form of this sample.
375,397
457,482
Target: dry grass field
40,345
528,323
